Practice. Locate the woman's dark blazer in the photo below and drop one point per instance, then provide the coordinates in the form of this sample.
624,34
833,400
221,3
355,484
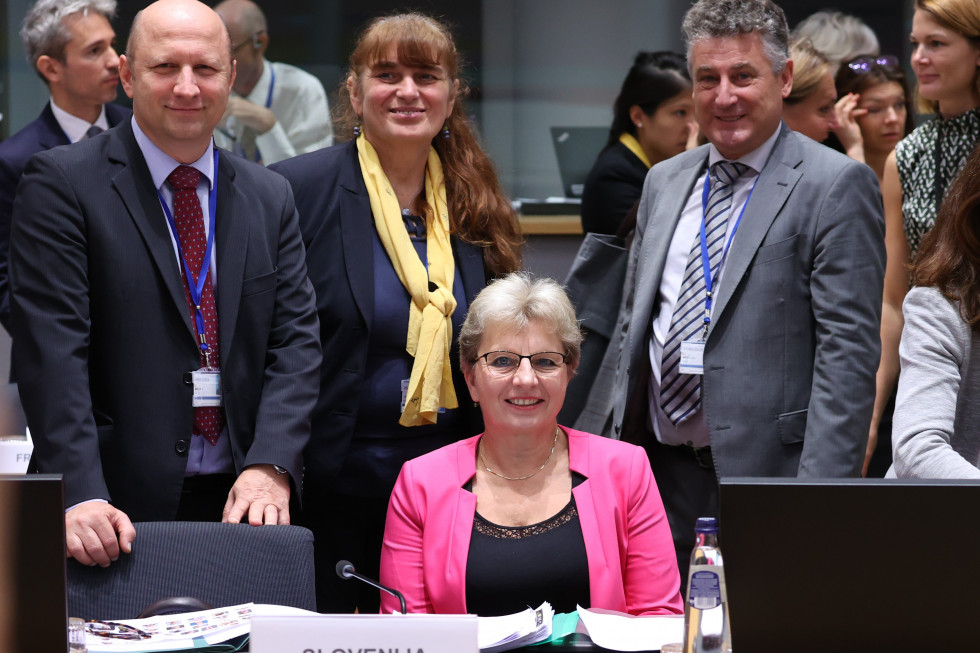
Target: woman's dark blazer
611,189
338,230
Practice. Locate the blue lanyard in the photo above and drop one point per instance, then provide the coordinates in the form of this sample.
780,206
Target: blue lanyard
197,287
268,104
272,85
709,280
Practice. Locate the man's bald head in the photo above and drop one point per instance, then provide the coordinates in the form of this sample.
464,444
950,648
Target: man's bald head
247,28
243,18
179,71
159,10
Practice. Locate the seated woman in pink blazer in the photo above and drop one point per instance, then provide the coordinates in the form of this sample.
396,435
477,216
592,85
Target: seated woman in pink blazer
528,511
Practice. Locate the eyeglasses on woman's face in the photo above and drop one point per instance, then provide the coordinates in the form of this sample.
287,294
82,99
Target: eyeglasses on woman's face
864,64
506,363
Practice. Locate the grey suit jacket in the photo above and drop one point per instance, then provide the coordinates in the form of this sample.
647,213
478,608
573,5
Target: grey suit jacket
937,412
791,355
105,341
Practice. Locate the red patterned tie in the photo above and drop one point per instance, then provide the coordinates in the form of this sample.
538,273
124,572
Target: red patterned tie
189,219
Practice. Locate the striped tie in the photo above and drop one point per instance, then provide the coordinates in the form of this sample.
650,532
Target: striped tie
680,394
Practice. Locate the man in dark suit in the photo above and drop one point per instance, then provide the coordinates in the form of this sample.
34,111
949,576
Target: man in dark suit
765,365
82,74
160,399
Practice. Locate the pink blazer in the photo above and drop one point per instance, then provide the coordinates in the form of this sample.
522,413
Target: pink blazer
632,564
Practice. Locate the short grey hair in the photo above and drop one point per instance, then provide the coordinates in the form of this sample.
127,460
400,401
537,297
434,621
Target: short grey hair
45,32
513,302
838,36
709,19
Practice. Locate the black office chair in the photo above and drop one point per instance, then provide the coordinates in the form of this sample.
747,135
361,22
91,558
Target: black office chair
217,564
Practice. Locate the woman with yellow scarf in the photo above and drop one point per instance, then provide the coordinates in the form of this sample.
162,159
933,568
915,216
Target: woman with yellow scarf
653,119
403,226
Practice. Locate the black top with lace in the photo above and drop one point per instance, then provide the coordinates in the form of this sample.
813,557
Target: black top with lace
511,568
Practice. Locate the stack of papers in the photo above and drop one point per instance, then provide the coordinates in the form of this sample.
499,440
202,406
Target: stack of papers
227,629
623,632
512,631
221,629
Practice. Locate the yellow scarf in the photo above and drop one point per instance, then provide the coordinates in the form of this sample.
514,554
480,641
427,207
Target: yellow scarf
430,327
633,146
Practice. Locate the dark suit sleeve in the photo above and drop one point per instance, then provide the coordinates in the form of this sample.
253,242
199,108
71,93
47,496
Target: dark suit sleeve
846,286
617,409
292,374
50,323
9,177
612,188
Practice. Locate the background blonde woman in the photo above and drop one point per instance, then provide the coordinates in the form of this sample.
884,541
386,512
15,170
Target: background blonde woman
946,60
809,107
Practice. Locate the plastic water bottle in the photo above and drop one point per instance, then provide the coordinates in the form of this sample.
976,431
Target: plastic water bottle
706,622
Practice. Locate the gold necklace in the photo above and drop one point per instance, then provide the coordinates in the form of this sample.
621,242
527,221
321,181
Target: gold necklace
519,478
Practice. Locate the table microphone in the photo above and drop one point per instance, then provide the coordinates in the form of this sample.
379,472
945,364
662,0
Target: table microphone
346,570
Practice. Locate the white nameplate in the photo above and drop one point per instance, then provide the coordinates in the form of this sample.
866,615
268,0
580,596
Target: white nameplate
15,453
368,633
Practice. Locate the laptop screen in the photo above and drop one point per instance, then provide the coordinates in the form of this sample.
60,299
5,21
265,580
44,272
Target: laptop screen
576,149
851,565
33,612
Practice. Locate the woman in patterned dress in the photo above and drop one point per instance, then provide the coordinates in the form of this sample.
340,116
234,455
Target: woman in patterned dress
946,61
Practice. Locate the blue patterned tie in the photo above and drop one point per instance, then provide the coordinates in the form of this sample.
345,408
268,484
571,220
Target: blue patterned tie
680,394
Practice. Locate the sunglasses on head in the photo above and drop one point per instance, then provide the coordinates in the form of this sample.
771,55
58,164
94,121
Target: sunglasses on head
862,65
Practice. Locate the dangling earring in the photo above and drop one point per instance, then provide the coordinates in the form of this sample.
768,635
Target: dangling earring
357,130
445,131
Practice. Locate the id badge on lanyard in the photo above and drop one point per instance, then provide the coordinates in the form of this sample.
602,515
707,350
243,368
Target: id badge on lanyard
692,351
207,387
207,379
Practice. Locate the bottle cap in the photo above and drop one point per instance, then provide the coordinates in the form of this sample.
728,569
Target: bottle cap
706,525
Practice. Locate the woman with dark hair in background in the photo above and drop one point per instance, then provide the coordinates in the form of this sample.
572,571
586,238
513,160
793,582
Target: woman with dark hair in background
403,226
946,60
874,111
938,406
653,119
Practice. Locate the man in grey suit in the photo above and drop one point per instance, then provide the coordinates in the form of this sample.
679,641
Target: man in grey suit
749,327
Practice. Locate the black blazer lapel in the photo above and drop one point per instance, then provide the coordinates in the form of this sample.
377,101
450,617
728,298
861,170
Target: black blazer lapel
132,181
356,226
115,114
53,135
469,262
231,248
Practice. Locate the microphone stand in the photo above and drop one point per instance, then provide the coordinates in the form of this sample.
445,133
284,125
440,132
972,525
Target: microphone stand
346,571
